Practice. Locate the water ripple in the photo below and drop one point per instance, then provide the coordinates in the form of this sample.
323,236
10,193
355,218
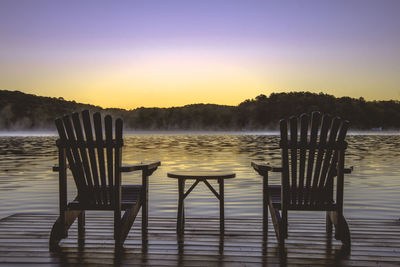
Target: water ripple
27,182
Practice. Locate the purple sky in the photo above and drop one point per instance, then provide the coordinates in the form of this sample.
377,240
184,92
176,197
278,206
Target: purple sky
199,50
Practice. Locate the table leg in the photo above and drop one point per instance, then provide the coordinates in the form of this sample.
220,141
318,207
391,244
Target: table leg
180,219
221,206
183,205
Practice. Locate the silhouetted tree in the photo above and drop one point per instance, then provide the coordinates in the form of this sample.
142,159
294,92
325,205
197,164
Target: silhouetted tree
25,111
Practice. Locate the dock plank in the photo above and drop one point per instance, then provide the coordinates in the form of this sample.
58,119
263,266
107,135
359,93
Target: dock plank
24,240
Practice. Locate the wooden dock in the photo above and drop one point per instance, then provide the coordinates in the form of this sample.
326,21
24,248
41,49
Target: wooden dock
24,240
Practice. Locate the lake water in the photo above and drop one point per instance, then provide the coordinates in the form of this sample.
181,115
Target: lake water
27,183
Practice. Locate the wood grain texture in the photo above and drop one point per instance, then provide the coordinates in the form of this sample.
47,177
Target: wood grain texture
23,240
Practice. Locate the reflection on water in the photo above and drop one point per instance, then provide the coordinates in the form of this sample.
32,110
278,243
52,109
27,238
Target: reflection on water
27,183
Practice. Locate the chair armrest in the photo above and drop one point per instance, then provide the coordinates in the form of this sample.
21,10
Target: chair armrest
56,168
149,166
263,167
345,171
348,170
276,169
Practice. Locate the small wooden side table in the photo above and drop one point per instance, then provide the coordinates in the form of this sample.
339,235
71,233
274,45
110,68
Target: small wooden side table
199,176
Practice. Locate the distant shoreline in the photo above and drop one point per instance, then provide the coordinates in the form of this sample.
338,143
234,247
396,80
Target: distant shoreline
20,112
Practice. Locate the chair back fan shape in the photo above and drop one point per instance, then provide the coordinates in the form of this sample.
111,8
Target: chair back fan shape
312,174
310,149
93,152
94,157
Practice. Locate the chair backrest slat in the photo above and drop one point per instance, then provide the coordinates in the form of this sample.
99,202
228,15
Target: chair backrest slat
76,163
325,125
118,151
100,154
328,154
63,138
332,168
315,123
285,162
302,166
309,162
79,136
90,144
109,153
118,157
293,156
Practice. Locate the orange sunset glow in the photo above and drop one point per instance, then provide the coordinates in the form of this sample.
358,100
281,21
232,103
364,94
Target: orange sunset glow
169,53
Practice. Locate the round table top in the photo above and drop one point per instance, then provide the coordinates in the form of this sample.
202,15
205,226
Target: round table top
201,174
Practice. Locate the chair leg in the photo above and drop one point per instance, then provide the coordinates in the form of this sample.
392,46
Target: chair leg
328,224
265,220
284,223
278,225
117,228
283,229
265,208
145,220
343,232
124,224
81,225
282,235
58,232
60,228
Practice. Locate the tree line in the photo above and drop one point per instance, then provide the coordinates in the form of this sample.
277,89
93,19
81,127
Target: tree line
20,111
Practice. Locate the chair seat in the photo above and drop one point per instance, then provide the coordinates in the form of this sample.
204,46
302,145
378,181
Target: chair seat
323,205
130,196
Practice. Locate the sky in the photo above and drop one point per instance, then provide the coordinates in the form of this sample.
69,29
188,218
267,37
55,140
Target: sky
129,54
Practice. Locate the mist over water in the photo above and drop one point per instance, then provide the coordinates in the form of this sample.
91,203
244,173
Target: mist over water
27,133
27,183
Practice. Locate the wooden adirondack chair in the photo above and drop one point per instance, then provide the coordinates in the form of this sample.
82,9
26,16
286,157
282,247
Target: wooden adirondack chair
310,164
96,167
